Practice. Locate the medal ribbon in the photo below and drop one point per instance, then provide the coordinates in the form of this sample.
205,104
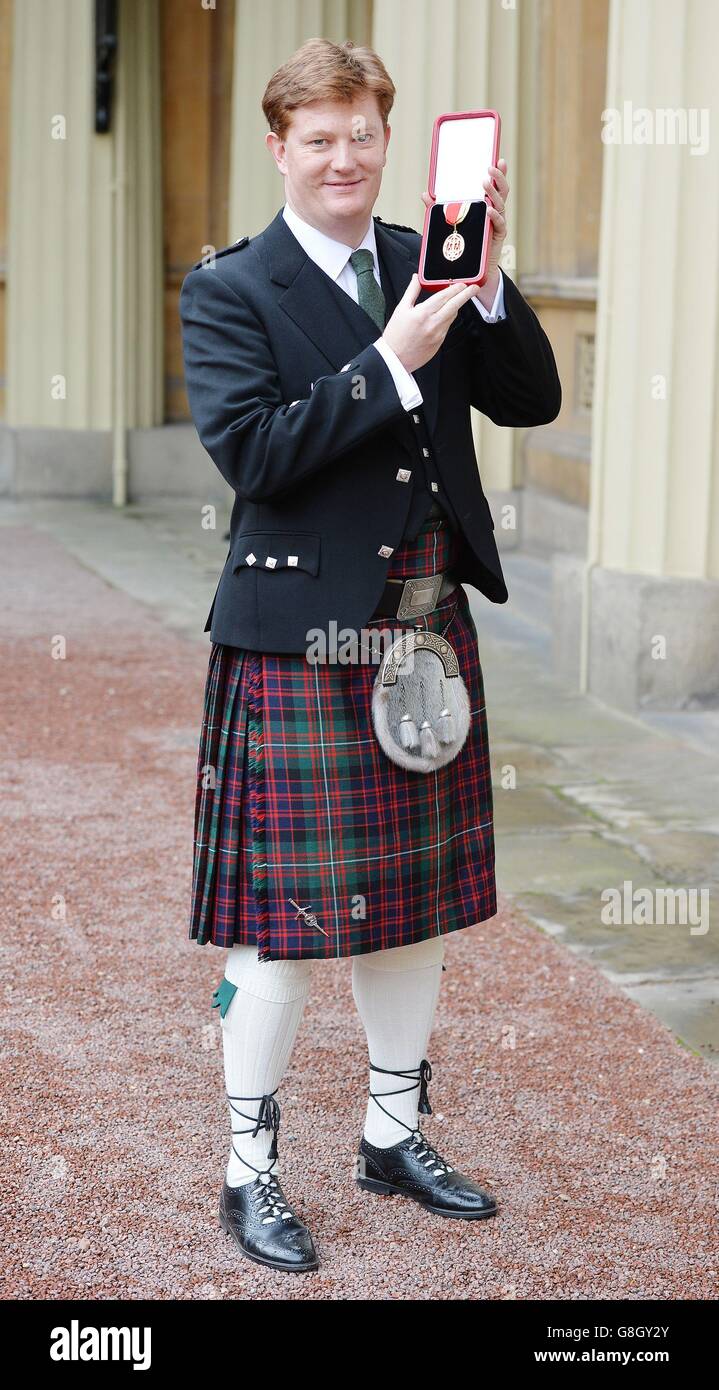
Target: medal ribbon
456,212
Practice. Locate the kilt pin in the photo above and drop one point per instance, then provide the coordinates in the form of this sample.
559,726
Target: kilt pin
309,841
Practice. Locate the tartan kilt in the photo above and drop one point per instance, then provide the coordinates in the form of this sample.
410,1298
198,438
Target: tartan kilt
306,806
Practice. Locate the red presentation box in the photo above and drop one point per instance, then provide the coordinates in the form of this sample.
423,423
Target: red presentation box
457,231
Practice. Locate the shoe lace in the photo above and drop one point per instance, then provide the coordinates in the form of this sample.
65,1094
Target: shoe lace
268,1117
419,1146
425,1076
267,1196
422,1150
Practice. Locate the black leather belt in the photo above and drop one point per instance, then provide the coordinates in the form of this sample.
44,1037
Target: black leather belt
413,598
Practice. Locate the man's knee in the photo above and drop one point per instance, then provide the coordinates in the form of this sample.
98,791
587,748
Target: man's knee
416,956
277,981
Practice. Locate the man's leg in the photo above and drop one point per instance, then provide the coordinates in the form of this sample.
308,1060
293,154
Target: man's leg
262,1003
396,995
258,1032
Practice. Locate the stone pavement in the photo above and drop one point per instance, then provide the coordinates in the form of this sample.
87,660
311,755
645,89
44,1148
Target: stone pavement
588,1117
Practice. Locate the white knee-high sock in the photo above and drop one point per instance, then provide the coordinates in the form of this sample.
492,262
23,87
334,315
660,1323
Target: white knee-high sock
396,994
258,1033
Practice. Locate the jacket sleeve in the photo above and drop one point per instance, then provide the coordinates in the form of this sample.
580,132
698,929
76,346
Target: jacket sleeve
513,374
263,446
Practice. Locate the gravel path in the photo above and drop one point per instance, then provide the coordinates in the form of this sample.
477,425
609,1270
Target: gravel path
584,1116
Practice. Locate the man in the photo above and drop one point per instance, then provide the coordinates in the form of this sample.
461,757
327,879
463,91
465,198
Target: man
335,400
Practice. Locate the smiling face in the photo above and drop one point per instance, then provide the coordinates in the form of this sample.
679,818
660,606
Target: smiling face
332,160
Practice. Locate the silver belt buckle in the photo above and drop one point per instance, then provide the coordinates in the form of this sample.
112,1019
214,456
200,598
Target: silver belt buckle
419,596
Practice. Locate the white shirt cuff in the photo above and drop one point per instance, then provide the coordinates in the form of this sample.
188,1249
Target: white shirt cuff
407,388
497,310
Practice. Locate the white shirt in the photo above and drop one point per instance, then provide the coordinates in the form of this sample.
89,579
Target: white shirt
333,257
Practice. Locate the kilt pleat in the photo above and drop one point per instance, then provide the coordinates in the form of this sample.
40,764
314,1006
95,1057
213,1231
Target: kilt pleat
309,841
218,799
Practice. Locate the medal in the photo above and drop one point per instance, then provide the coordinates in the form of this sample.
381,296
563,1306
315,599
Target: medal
453,246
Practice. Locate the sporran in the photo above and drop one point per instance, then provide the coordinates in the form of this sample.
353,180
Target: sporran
421,711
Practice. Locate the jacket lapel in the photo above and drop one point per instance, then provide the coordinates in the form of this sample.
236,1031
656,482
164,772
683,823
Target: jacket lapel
329,317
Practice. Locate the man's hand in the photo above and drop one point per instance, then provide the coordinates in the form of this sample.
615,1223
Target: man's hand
496,213
416,331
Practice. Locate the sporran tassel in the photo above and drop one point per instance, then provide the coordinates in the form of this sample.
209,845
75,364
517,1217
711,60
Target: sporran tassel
427,741
408,736
445,727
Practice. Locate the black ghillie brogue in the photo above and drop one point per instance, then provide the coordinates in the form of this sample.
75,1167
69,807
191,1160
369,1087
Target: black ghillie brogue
413,1168
257,1214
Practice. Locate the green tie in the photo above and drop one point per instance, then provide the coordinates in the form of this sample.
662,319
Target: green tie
369,293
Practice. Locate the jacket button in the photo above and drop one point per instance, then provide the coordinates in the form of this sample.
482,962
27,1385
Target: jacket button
250,558
434,487
385,551
416,419
292,559
403,475
426,453
271,562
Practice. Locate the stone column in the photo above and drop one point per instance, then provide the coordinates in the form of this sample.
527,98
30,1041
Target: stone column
84,242
650,630
564,56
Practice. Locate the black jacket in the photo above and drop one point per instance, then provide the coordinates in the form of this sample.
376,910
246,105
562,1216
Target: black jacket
300,414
